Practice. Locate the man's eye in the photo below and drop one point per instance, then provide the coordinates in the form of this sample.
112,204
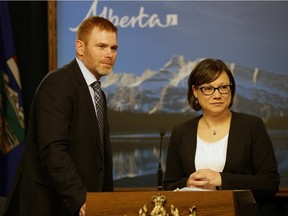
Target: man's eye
101,46
114,48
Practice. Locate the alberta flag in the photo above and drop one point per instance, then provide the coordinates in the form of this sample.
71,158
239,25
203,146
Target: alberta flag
12,129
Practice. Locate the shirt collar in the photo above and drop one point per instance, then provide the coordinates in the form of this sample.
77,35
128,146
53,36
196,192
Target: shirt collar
88,76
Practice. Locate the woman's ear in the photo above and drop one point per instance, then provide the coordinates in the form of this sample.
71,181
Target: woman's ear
194,91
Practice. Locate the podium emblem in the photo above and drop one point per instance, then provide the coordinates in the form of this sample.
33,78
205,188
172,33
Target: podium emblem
159,210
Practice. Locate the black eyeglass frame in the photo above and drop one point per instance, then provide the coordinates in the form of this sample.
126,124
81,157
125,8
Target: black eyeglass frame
214,89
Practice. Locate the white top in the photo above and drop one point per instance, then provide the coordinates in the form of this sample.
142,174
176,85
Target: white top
211,155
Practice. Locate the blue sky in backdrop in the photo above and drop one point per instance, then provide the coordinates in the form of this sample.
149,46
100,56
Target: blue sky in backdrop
251,34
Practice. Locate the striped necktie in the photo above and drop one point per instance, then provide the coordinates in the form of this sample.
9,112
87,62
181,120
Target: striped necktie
99,103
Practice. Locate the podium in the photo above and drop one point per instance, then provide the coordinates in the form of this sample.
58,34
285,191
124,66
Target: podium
190,203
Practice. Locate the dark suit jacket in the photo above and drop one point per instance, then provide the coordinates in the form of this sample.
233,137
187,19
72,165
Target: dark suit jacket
250,162
62,160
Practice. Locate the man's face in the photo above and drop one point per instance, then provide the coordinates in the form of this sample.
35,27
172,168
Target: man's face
99,53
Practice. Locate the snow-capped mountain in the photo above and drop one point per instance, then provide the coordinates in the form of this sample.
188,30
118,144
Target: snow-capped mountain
257,92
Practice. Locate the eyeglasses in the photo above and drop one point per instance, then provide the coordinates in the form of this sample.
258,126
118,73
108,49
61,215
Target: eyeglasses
209,90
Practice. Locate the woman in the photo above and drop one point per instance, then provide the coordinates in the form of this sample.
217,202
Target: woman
220,149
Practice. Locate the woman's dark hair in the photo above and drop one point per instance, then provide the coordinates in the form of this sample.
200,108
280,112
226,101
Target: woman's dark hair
207,71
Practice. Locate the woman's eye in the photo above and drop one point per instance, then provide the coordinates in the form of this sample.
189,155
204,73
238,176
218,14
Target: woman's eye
223,87
208,88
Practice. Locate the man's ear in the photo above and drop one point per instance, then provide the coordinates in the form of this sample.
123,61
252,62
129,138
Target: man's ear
79,47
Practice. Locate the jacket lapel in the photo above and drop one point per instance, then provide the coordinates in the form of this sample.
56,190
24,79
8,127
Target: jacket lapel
88,103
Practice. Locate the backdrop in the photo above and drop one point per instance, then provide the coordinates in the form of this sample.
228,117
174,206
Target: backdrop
159,44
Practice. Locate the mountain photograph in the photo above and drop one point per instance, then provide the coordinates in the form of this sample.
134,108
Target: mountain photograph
258,92
140,106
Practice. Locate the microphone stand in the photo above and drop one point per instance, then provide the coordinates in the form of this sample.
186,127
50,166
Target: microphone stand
160,173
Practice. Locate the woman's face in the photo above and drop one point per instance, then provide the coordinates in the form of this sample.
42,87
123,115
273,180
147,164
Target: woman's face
217,102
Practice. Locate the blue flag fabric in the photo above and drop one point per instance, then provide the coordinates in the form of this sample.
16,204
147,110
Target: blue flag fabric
12,129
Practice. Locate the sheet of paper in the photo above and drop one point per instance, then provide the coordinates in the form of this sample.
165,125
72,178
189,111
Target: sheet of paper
191,189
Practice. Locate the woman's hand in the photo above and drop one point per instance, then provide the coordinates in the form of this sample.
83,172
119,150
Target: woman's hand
204,178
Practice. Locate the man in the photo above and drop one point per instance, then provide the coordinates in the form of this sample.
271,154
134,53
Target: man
68,152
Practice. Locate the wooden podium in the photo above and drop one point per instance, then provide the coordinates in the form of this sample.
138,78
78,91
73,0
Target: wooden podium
204,203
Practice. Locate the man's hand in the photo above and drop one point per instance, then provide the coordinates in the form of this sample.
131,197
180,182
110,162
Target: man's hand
82,210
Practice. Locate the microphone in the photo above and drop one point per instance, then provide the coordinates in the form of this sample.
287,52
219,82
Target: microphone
160,173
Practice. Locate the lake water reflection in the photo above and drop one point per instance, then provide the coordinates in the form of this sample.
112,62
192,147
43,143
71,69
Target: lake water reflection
137,155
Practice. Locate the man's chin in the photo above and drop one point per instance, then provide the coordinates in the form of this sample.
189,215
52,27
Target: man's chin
105,72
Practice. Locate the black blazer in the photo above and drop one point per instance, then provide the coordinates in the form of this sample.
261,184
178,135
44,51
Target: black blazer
62,159
250,162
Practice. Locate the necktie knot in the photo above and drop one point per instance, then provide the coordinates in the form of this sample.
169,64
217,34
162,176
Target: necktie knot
96,85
